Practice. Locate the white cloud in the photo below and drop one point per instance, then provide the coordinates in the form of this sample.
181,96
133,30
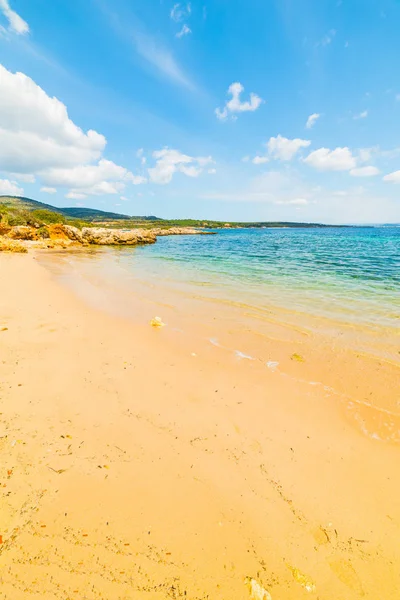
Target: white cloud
184,31
212,171
140,154
312,119
179,12
38,138
35,130
259,160
48,190
324,159
365,154
103,178
16,23
364,172
361,115
169,162
10,188
234,105
392,177
25,177
75,196
282,148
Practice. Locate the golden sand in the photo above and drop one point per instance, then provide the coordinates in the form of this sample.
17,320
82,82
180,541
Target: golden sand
135,465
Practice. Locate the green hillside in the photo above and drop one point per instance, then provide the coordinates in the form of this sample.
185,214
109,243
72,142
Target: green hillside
17,210
87,214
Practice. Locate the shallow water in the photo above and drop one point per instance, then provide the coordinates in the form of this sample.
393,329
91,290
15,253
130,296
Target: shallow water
349,274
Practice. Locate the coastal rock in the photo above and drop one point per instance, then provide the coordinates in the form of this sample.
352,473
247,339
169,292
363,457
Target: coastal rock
23,232
73,233
181,231
117,237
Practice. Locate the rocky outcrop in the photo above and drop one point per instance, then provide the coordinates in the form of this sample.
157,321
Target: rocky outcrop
181,231
73,233
99,236
23,232
117,237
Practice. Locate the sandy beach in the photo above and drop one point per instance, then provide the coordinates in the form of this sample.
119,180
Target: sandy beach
136,467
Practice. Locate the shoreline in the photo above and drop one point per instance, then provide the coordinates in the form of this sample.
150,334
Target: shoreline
134,469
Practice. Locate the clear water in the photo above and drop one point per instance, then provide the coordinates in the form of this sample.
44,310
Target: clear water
351,274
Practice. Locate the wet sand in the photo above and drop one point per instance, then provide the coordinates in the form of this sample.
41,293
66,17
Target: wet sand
137,463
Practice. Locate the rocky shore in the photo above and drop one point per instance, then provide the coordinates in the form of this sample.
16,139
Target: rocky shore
19,238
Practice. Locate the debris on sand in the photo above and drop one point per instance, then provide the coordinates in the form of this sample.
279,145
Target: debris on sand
157,322
257,591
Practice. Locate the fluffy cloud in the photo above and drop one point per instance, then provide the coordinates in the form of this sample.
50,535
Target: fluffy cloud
16,23
392,177
25,177
103,178
312,119
10,188
324,159
169,162
48,190
179,12
282,148
364,172
184,31
87,176
234,105
38,138
75,196
35,130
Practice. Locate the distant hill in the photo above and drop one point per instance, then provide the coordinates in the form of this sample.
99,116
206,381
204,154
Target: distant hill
88,214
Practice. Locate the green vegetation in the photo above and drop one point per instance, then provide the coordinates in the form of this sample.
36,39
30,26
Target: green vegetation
16,210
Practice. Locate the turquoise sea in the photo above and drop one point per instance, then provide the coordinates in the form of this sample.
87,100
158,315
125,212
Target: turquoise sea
347,274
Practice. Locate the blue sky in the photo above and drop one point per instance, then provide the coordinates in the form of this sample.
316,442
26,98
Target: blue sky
222,109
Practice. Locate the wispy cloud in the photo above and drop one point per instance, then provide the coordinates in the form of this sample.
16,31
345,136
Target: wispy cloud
160,58
16,23
148,46
361,115
184,31
312,119
179,12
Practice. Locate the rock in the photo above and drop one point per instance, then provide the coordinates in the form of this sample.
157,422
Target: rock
7,245
73,233
117,237
23,232
181,231
4,229
57,231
